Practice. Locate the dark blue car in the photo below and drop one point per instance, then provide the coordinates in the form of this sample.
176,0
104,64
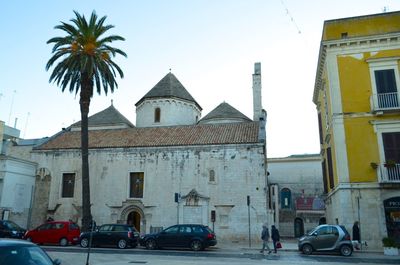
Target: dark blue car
193,236
11,230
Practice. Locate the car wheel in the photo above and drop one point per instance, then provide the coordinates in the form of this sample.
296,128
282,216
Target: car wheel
84,242
307,249
122,243
151,244
346,250
63,242
196,245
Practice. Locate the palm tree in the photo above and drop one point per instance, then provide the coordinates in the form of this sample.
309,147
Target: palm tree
84,61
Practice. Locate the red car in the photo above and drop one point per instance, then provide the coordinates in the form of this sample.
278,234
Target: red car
55,232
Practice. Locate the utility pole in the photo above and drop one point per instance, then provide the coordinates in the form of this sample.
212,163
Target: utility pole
248,213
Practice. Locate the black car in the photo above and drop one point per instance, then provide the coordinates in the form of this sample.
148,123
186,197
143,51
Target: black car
18,252
120,235
193,236
11,229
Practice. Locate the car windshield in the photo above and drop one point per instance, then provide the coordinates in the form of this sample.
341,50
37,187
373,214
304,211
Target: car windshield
312,231
24,255
13,226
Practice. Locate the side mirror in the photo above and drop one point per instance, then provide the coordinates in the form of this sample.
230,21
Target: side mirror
57,262
315,234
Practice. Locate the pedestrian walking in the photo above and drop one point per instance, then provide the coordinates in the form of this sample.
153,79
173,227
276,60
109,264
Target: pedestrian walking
356,235
265,237
275,236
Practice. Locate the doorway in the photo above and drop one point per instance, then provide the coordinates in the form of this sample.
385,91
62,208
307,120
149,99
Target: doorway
392,215
134,219
298,227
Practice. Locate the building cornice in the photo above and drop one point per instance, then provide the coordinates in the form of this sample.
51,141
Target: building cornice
382,40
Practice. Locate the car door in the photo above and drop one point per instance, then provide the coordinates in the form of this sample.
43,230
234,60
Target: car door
3,230
55,233
184,236
41,234
117,233
326,238
103,235
167,238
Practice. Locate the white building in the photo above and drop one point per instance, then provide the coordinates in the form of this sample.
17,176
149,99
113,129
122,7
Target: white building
17,177
173,167
297,193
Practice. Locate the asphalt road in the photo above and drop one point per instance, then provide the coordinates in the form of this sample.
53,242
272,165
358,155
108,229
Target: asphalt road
114,256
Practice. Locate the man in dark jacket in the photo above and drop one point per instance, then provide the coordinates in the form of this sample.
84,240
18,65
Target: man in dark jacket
356,235
265,237
275,236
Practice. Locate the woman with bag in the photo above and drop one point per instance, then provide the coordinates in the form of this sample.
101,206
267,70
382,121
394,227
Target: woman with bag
275,238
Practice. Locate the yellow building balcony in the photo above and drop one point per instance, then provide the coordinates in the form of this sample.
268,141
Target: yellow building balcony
385,101
389,173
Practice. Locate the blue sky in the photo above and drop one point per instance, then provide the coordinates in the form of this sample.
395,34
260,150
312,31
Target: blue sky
210,45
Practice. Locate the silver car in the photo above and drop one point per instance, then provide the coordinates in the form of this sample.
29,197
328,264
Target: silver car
327,238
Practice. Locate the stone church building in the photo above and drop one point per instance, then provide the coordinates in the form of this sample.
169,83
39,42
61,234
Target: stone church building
173,166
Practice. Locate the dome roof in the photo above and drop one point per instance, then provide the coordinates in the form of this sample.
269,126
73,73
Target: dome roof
108,117
168,87
225,112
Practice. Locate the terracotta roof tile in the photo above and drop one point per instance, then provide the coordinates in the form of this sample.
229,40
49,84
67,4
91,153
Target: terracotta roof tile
205,134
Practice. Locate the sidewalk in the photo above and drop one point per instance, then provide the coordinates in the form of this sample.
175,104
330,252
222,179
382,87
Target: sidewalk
290,245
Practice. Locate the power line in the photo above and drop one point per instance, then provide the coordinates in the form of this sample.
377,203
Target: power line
291,17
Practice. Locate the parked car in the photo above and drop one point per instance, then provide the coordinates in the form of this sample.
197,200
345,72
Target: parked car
327,238
21,252
120,235
11,229
193,236
55,232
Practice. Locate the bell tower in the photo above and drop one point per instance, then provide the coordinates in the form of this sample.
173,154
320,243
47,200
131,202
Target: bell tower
257,107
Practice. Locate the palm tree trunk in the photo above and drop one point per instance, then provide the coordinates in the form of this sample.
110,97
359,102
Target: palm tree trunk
84,102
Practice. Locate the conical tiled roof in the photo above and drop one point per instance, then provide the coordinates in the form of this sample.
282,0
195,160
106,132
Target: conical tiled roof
168,87
224,111
108,117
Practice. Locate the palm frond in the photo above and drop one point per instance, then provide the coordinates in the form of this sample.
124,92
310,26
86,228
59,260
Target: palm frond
80,54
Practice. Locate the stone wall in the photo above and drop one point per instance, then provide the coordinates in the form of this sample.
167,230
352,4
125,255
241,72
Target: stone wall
238,171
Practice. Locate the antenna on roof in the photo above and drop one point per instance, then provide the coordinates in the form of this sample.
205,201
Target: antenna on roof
112,102
11,107
170,70
26,124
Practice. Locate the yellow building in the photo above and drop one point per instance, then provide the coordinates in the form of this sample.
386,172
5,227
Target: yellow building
357,94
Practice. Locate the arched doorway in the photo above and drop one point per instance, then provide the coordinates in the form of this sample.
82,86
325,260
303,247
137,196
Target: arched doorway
134,219
298,227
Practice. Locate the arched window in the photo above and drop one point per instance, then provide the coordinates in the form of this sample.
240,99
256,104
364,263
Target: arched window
157,115
212,175
286,198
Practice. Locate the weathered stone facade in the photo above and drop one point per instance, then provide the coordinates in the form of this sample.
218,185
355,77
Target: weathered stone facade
238,172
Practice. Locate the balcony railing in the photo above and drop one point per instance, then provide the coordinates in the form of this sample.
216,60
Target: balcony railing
389,173
385,101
